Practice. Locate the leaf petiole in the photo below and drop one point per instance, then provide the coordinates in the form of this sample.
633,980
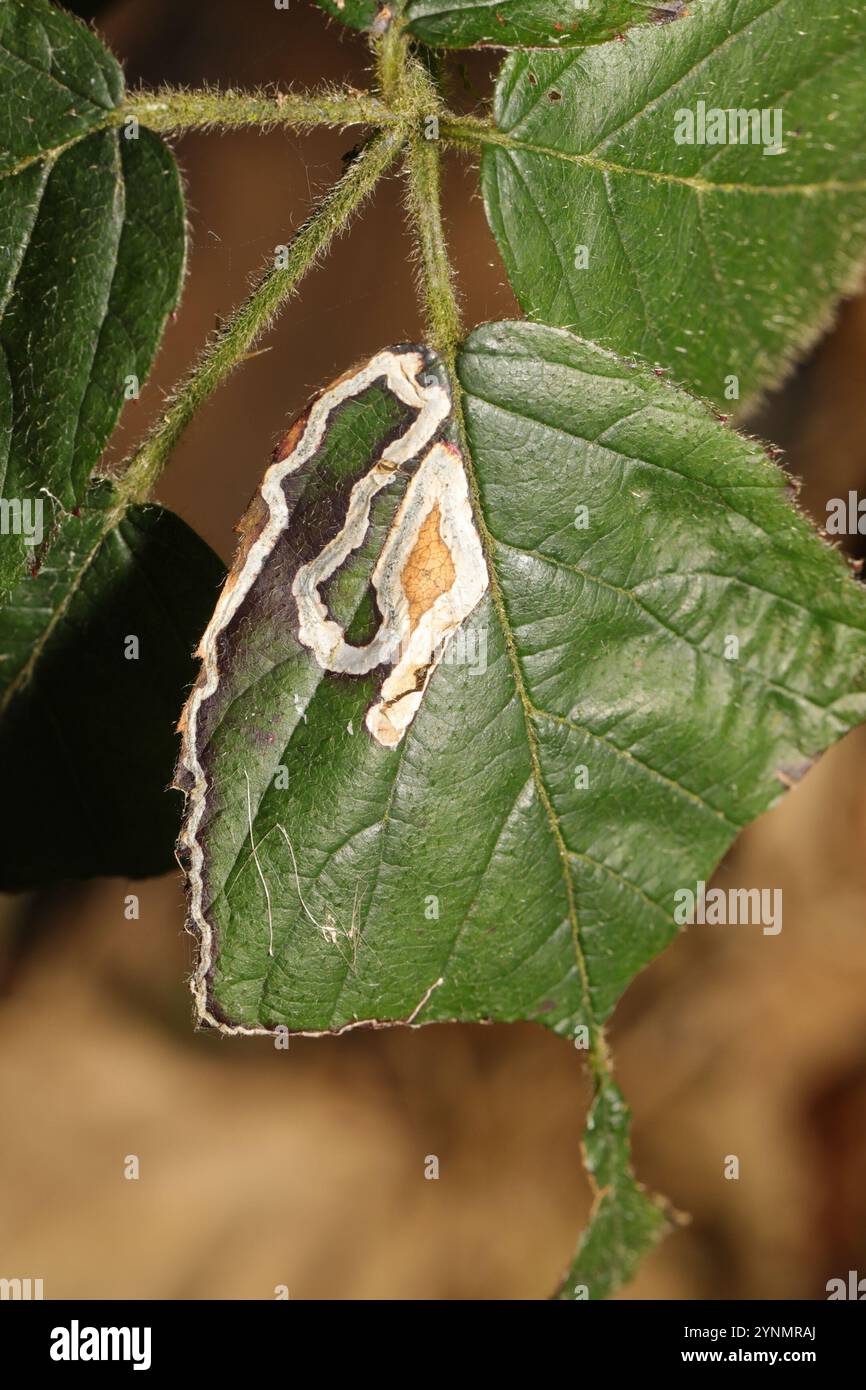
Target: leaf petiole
173,109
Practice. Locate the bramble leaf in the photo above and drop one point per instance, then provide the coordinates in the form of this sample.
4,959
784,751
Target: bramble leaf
532,23
357,14
92,244
721,262
57,79
588,745
510,23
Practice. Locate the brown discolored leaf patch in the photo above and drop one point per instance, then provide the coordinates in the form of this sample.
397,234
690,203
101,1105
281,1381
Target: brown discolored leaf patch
429,571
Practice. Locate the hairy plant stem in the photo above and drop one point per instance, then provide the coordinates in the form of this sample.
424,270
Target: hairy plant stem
171,109
436,280
392,51
436,276
467,130
252,317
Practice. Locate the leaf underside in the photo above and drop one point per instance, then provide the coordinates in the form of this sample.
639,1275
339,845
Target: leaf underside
714,260
357,14
531,23
87,737
510,23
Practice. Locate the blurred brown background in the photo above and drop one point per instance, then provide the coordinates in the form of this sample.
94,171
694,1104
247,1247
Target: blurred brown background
306,1168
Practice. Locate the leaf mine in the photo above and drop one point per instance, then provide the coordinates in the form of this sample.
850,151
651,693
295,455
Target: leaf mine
429,576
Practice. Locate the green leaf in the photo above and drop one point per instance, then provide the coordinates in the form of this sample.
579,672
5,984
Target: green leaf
92,244
716,261
358,14
625,1224
87,735
58,82
532,23
510,23
467,873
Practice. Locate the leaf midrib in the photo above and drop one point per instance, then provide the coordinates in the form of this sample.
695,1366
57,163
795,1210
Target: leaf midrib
51,153
512,144
598,1049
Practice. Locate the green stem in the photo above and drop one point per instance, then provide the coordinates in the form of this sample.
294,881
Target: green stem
468,131
392,51
436,276
252,317
172,109
424,195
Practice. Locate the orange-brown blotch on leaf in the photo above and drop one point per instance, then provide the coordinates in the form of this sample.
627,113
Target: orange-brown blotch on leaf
429,570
